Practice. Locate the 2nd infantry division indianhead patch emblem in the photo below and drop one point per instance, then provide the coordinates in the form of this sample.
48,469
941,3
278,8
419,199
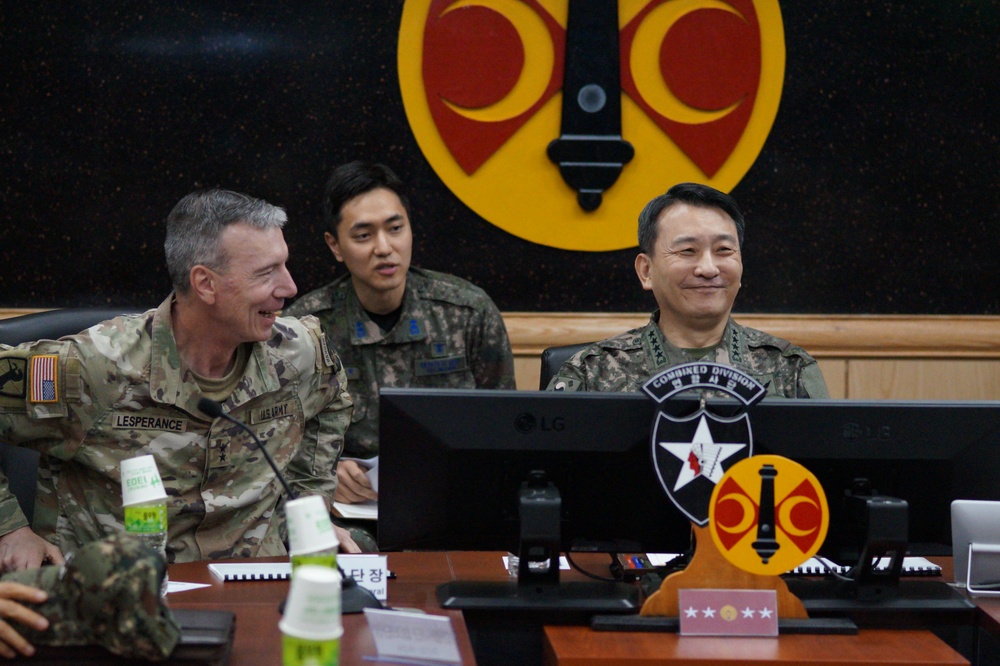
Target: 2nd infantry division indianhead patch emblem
766,514
691,455
693,451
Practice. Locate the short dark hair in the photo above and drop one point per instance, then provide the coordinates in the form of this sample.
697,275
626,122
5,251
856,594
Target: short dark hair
354,179
693,194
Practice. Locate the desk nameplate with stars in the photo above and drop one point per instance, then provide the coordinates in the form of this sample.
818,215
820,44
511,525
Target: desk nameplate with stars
711,612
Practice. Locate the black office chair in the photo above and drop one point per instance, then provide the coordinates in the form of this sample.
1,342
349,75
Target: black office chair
21,465
552,360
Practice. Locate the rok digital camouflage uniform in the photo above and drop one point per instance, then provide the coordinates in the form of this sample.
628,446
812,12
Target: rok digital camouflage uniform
624,362
107,594
449,335
117,391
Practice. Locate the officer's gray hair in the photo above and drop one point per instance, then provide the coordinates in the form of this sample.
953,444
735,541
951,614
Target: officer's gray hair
196,223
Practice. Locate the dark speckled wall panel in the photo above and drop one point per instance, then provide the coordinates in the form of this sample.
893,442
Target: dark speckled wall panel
877,191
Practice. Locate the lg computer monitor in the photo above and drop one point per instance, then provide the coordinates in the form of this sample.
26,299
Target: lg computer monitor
452,461
451,464
927,453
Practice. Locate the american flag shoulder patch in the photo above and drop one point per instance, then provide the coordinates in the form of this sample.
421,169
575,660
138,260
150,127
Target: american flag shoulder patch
44,375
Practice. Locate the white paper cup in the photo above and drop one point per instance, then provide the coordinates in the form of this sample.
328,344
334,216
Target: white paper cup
312,610
141,481
309,526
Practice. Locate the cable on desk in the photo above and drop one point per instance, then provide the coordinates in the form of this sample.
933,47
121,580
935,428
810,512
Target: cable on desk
574,565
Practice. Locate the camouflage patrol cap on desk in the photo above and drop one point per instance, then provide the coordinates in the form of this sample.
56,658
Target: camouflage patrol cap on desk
107,594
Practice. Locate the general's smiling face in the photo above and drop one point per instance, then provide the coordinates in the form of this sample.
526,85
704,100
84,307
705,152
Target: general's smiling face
695,269
375,242
255,283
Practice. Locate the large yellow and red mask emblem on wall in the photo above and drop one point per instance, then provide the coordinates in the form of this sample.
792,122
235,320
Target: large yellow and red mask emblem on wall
557,120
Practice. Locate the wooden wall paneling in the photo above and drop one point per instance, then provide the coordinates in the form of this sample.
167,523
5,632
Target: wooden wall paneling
527,370
824,336
862,357
835,374
923,379
859,355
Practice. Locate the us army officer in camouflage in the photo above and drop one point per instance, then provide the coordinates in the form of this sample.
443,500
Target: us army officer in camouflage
391,324
690,242
130,387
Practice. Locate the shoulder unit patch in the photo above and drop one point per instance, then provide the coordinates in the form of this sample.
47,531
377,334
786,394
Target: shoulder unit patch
13,373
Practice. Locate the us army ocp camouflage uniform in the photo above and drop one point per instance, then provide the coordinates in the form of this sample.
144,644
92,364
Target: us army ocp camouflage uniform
107,594
624,362
449,335
117,391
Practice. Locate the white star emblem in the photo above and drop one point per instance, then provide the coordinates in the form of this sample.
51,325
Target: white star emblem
708,612
701,456
747,612
691,612
765,612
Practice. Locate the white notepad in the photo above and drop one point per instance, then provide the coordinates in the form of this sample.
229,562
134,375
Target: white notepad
360,511
282,570
912,566
251,570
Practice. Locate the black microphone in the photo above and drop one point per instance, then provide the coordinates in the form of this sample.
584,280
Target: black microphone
214,409
354,598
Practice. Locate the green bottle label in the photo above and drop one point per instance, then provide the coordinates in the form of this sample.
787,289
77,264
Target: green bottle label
146,519
325,558
301,652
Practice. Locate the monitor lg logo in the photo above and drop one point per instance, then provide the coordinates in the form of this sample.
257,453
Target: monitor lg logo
528,423
856,433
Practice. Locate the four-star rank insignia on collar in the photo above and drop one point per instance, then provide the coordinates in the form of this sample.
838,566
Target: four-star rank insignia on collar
692,451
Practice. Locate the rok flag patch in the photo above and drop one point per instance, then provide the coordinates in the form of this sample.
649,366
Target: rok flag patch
44,378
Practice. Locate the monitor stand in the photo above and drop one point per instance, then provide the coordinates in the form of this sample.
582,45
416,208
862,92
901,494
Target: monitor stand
538,587
875,596
829,596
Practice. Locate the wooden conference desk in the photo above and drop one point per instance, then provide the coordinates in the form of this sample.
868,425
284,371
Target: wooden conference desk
988,618
258,640
987,648
579,646
255,603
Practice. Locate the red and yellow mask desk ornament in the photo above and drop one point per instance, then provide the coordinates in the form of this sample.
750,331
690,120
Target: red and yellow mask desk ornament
754,517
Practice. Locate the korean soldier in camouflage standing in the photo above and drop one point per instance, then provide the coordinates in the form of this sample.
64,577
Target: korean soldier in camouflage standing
690,243
394,325
130,387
